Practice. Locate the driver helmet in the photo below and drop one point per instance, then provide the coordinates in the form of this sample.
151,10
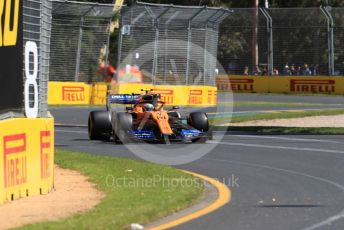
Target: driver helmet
148,107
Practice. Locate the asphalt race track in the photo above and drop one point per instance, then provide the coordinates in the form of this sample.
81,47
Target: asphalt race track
277,182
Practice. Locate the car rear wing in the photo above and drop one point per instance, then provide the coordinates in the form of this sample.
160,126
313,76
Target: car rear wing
123,98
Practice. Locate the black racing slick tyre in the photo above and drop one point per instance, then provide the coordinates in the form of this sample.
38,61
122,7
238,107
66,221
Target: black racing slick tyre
123,125
99,125
199,121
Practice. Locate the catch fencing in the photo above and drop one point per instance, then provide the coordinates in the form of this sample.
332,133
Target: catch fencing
80,39
171,45
283,41
180,45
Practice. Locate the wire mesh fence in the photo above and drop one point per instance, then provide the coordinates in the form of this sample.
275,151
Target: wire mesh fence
80,39
170,44
243,41
276,41
338,38
37,28
164,41
283,41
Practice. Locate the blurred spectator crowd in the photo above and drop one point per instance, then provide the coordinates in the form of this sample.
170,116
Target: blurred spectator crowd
287,70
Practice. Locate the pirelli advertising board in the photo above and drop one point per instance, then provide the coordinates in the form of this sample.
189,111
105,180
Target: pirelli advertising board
292,85
11,56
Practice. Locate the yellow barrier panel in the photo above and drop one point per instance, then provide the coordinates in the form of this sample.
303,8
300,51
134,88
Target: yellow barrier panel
282,84
98,93
27,157
68,93
174,95
242,84
313,85
339,85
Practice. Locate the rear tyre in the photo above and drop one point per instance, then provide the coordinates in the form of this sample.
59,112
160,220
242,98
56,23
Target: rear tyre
123,125
99,125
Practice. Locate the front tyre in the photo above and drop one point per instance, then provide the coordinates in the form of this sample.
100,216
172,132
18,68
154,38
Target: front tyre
199,121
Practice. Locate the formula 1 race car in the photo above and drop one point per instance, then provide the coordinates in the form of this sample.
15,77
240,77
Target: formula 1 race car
146,120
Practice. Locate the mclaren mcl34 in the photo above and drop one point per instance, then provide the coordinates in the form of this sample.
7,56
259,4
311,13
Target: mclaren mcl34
146,120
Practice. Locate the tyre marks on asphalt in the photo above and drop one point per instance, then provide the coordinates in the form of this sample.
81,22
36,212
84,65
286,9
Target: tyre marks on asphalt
325,222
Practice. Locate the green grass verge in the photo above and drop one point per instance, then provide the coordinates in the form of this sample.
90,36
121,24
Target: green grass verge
285,130
277,115
150,192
